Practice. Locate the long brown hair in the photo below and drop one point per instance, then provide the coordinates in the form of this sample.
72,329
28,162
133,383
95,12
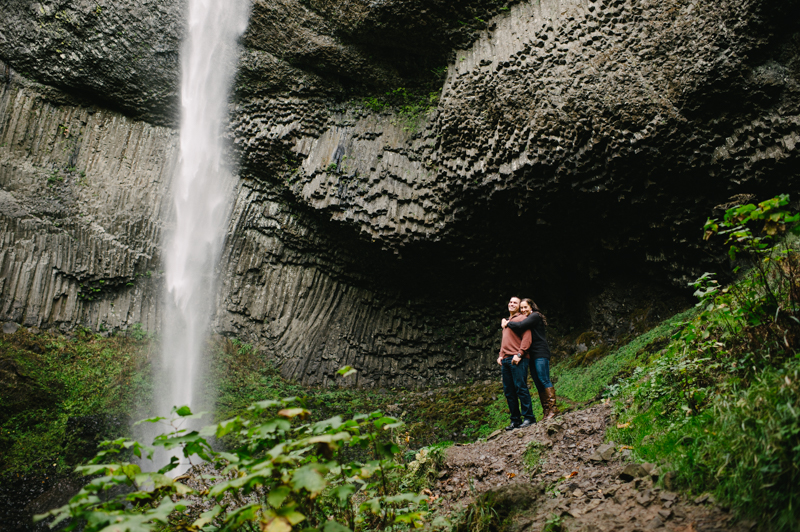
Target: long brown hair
535,308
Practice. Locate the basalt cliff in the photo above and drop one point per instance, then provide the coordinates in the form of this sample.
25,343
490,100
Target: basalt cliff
403,167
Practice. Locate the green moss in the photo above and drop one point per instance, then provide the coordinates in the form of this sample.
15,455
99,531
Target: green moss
534,456
56,381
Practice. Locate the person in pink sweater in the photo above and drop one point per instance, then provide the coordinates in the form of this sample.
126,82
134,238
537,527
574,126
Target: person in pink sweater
513,360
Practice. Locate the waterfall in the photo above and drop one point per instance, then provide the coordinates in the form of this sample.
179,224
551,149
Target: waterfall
201,189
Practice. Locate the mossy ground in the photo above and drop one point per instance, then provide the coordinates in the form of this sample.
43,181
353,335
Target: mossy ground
53,383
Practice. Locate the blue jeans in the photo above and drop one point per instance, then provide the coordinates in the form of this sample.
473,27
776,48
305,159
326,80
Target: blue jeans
515,388
540,372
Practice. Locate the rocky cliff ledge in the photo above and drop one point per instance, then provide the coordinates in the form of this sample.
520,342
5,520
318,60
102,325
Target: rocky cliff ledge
570,150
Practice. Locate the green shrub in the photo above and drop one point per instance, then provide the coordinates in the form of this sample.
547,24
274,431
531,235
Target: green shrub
284,475
720,405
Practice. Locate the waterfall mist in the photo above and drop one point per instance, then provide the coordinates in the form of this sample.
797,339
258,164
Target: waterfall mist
201,189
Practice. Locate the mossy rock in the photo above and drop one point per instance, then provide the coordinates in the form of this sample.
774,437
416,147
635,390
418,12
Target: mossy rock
590,356
19,390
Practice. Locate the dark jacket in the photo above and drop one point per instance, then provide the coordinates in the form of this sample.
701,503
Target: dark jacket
535,324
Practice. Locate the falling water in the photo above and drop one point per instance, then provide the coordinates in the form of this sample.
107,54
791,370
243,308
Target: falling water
201,189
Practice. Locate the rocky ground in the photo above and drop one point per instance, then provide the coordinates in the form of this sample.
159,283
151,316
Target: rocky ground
573,478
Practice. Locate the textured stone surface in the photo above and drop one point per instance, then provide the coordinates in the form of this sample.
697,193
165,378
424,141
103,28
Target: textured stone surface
575,150
83,204
118,53
81,195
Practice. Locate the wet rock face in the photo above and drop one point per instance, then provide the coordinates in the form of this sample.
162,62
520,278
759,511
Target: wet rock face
118,54
574,152
601,122
618,116
82,194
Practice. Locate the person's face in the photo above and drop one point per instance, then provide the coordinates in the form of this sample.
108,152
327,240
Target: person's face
525,308
513,305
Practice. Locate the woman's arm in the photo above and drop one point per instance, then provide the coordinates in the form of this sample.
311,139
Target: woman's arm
525,344
526,324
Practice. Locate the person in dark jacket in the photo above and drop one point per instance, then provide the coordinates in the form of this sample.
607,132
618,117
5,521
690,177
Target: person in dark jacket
539,351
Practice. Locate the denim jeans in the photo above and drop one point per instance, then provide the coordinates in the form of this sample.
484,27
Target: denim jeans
515,388
540,372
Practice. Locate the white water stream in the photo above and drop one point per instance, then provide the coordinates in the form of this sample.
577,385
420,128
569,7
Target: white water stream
201,188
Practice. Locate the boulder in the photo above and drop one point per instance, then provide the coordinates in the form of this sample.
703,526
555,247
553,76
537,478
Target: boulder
632,471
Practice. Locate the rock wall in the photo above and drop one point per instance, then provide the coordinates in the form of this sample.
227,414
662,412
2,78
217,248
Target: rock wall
84,201
571,151
81,213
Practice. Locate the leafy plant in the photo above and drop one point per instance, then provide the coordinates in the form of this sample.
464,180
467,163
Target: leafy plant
720,402
283,475
481,515
138,333
411,105
534,456
555,523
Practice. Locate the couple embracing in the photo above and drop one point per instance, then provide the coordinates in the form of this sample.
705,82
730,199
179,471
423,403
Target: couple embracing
524,346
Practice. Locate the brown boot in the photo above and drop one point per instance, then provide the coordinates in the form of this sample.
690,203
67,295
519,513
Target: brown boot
545,404
550,398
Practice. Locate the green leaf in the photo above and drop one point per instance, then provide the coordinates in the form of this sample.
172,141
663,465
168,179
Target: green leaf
383,421
290,413
333,526
291,515
263,405
149,420
206,517
346,371
278,495
309,478
183,411
343,492
410,518
270,427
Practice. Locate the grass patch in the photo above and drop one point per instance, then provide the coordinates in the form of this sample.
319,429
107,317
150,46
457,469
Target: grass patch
583,384
744,446
534,455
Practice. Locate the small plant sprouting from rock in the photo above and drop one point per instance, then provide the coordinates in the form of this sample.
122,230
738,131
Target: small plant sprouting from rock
534,456
138,333
555,523
411,106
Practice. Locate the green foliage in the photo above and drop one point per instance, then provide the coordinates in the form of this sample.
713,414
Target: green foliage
495,510
534,456
65,379
138,333
285,475
410,106
376,104
481,515
721,404
421,472
584,384
555,523
240,375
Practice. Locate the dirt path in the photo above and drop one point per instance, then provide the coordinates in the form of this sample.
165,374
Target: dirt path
588,485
